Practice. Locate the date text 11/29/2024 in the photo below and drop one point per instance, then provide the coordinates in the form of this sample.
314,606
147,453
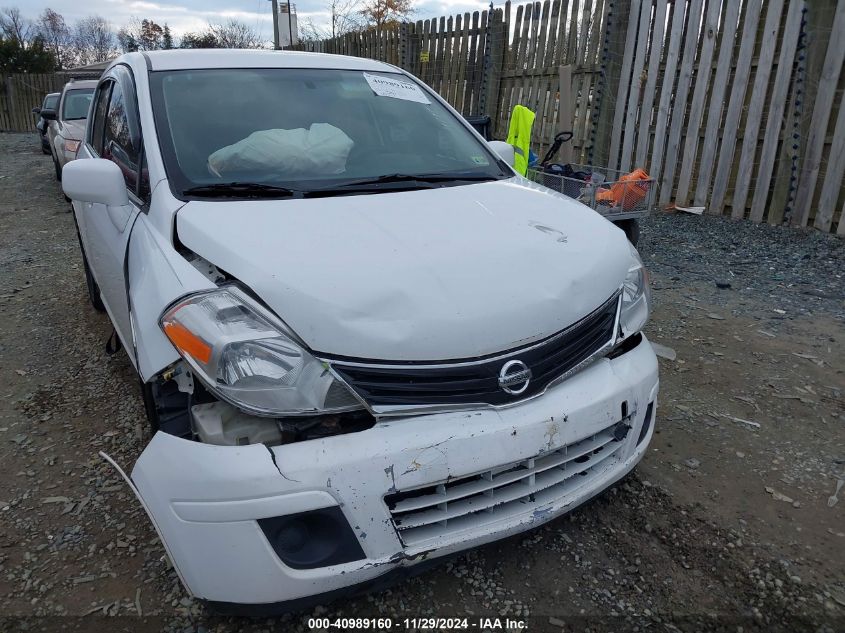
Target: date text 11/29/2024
417,624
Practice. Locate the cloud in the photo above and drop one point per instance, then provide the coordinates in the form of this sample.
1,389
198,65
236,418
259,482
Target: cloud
191,15
181,15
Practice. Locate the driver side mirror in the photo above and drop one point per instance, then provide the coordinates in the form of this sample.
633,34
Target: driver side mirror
504,150
49,114
36,110
95,180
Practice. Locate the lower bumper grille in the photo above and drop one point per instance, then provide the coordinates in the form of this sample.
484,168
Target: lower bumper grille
444,509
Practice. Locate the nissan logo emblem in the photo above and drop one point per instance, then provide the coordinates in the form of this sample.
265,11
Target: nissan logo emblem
514,377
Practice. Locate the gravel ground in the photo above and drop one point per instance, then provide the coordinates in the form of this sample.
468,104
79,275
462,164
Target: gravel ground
730,522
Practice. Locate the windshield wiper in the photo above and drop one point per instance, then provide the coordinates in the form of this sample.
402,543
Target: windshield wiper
241,190
411,179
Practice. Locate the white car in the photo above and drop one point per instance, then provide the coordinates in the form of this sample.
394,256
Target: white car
66,123
365,342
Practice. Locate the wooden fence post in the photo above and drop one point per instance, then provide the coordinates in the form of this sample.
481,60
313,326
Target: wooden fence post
495,45
786,171
10,99
828,81
624,83
777,103
611,69
404,53
565,110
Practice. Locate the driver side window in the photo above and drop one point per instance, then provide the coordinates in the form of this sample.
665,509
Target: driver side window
121,139
98,125
116,130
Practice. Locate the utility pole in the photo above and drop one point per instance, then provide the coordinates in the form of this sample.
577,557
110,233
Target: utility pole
276,44
290,24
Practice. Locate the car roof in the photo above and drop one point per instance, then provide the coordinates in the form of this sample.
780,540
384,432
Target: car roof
85,83
184,59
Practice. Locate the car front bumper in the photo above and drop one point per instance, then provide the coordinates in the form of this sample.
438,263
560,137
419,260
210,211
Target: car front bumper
205,500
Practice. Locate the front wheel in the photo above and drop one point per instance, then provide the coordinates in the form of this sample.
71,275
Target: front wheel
90,283
58,168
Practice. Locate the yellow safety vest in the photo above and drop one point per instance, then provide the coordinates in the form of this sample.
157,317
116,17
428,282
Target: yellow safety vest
519,135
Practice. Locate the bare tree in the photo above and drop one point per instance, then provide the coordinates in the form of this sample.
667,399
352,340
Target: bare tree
13,26
378,13
347,16
53,29
141,35
235,34
202,39
93,40
310,32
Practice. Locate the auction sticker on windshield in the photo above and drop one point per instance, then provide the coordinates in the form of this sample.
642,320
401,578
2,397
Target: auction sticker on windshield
395,88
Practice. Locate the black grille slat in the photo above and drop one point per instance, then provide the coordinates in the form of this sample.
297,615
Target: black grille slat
452,385
468,382
586,341
585,348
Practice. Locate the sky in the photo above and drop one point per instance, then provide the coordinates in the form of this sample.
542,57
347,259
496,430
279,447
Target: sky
192,15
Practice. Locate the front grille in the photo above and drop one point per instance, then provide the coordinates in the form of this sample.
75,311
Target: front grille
444,509
477,381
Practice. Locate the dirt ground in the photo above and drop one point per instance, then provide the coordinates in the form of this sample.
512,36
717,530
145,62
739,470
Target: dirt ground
729,523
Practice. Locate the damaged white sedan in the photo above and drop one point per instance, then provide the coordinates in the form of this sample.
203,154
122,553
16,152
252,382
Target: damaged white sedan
365,343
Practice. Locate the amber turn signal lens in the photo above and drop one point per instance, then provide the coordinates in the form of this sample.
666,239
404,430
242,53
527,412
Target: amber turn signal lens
188,342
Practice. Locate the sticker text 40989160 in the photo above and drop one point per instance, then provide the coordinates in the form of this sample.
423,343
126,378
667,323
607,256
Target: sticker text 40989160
482,624
395,88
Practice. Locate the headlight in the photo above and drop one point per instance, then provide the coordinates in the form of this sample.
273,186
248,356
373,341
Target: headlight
247,357
71,146
636,297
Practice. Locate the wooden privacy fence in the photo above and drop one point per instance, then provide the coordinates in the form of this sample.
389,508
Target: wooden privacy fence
736,106
733,106
485,62
21,92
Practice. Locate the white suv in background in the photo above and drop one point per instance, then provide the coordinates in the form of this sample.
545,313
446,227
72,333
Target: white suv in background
365,342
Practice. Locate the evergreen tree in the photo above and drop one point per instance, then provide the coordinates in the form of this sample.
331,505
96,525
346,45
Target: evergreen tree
15,57
166,38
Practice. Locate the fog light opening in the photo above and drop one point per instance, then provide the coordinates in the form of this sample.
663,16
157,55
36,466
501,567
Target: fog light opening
313,539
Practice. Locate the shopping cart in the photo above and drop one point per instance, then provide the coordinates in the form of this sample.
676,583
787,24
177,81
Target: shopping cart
623,198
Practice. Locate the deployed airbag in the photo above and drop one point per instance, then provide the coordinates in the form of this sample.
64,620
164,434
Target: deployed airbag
322,148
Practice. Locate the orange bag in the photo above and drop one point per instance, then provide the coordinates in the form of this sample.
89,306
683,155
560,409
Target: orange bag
628,192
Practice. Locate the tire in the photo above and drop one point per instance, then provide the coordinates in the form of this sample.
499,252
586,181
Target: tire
90,283
93,288
58,168
46,150
631,228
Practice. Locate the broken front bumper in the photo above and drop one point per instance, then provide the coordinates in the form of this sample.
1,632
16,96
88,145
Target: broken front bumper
497,471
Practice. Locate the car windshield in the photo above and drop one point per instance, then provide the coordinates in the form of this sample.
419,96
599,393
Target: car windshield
50,101
311,130
76,104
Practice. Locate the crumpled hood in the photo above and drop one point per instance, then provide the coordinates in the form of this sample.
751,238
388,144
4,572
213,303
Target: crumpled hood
447,273
74,130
